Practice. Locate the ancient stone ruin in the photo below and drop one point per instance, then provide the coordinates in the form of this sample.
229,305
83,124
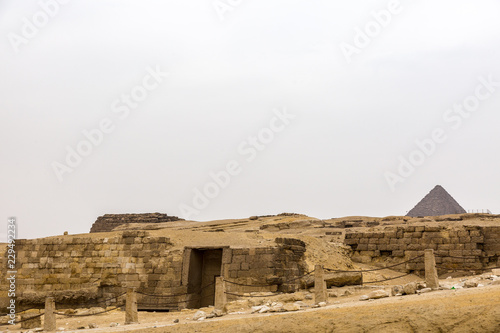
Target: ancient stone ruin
437,202
109,222
176,266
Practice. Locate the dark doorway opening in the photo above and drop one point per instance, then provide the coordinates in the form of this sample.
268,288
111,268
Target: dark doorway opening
204,266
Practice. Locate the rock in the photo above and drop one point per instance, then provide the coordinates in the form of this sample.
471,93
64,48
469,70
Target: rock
470,284
333,294
113,324
291,307
264,309
425,290
301,304
347,293
322,304
397,290
80,328
410,288
218,313
276,307
364,298
308,296
93,325
496,271
260,309
495,283
253,218
200,315
176,321
376,294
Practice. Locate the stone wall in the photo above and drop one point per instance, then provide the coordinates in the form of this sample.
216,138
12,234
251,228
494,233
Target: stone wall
267,266
108,222
469,248
85,271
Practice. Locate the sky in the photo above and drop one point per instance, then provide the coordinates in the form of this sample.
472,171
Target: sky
225,109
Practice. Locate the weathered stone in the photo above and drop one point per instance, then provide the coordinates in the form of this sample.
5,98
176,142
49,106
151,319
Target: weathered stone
200,315
410,288
376,294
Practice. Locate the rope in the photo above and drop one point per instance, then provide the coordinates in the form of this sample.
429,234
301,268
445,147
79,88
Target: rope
300,277
373,270
185,301
85,315
25,319
463,268
238,295
394,278
175,295
18,312
469,257
268,285
109,299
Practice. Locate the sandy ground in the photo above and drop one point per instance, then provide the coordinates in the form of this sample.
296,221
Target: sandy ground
463,310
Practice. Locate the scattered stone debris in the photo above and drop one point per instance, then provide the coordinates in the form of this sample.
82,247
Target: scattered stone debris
200,315
376,294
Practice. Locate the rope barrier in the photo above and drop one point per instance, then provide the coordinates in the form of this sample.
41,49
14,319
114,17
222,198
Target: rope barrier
394,278
238,295
268,285
85,315
189,300
109,299
175,295
373,270
18,312
469,257
23,320
463,268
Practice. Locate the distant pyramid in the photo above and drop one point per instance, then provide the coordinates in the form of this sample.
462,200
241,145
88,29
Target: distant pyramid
437,202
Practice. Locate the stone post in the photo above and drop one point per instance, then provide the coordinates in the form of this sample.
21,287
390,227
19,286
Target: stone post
320,293
131,316
49,317
220,293
431,276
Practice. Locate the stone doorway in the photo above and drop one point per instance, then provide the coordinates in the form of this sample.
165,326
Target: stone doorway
204,266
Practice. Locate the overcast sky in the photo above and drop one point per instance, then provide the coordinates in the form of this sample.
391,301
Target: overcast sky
312,107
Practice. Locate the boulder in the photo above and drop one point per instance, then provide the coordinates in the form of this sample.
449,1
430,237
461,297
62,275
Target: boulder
200,315
376,294
410,288
470,284
425,290
397,290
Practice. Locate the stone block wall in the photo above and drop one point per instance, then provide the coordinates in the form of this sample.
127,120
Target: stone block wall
85,271
270,269
458,248
108,222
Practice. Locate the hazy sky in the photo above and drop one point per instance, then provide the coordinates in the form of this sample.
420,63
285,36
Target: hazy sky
312,107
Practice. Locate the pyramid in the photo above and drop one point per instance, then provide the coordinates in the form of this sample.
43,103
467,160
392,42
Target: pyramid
437,202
